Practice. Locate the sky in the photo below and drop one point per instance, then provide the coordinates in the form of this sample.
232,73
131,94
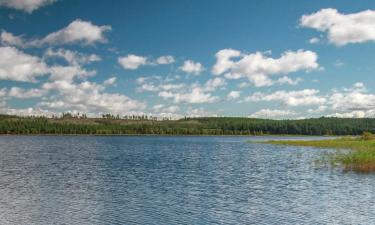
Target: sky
166,58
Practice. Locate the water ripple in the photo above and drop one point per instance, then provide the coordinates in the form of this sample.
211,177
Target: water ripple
174,180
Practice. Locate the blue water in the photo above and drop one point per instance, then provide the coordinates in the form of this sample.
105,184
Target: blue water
174,180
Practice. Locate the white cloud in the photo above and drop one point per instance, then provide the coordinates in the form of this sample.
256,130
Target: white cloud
63,91
194,96
288,80
78,31
3,92
352,101
273,114
17,92
349,102
233,95
72,57
156,83
19,66
290,98
162,60
192,67
27,112
213,84
257,67
132,62
26,5
193,93
69,73
165,109
320,109
359,85
199,112
8,39
224,60
110,81
355,114
341,28
161,110
314,40
89,97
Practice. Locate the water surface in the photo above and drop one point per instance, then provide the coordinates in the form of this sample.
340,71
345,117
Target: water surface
174,180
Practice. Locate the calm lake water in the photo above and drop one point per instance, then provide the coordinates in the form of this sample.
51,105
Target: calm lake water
174,180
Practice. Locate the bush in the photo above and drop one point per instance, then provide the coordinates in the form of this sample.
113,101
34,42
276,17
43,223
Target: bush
368,136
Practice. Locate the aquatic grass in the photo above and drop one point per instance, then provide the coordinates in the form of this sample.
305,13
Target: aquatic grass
360,158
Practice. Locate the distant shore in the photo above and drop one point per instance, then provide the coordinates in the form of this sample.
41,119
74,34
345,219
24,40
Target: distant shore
202,126
176,135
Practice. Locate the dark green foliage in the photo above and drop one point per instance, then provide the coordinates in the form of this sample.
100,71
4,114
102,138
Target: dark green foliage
188,126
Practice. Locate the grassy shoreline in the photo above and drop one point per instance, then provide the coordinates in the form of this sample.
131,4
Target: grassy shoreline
360,158
170,135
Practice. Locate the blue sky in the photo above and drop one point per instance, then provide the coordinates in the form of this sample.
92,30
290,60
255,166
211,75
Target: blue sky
268,59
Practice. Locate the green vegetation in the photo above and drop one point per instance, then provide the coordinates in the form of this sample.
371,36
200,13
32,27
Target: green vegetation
361,158
130,125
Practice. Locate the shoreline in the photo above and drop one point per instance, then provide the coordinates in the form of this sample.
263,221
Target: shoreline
176,135
359,158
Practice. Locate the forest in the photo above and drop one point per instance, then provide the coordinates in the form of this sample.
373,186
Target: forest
142,125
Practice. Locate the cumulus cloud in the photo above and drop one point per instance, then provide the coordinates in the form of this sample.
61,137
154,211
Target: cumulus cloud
314,40
66,89
199,112
17,92
288,80
194,96
8,39
132,62
194,93
72,57
258,67
192,67
359,85
163,60
78,31
110,81
156,83
224,60
213,84
352,101
26,5
19,66
354,114
319,109
233,95
89,97
341,28
163,111
69,73
290,98
26,111
273,114
166,110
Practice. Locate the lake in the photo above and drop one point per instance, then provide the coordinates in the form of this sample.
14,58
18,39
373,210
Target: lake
175,180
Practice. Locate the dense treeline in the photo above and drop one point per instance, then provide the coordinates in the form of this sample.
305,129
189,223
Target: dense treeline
186,126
